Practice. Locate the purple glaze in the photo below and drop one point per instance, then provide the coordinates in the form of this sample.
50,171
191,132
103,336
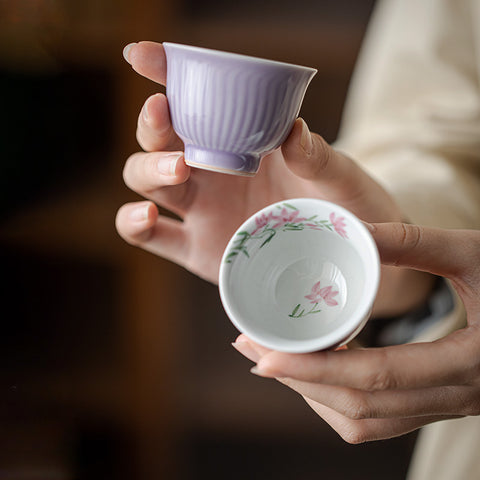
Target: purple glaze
230,110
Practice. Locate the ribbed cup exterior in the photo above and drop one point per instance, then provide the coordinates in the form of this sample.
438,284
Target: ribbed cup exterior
231,109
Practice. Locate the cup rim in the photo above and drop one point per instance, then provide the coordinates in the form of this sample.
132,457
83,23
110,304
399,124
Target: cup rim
338,337
240,56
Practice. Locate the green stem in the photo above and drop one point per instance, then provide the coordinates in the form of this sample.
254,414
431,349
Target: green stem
303,313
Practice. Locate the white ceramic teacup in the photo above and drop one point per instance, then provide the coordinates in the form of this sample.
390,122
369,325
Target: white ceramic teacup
300,276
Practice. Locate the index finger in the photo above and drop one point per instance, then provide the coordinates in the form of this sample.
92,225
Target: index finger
445,362
148,59
449,253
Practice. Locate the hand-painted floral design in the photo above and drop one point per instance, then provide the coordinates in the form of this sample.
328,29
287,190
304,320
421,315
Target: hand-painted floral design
287,219
326,293
338,224
299,312
262,221
316,296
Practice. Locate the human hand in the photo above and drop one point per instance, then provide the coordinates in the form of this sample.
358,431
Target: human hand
211,206
372,394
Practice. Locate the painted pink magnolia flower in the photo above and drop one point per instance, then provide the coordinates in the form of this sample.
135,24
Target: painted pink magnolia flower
261,221
339,225
286,217
322,293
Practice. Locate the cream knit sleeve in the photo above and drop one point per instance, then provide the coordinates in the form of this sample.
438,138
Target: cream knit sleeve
412,118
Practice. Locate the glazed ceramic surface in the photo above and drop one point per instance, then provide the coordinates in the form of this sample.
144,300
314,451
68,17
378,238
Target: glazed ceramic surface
231,109
300,276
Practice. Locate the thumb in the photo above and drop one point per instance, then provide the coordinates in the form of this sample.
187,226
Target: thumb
310,157
337,177
449,253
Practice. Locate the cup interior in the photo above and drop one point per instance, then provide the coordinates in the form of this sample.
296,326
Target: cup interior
300,276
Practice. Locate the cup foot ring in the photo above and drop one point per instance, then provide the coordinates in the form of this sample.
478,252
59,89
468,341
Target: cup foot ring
223,162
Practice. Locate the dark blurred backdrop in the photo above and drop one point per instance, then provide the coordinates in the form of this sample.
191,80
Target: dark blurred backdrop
115,364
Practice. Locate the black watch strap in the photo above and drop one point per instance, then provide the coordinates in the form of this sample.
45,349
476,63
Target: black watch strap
380,332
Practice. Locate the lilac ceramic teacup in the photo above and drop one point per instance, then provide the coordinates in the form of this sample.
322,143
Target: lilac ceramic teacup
300,276
231,109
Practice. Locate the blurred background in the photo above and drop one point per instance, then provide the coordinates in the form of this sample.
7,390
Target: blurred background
115,364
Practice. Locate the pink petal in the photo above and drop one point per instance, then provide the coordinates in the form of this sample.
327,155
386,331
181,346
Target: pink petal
260,221
313,298
331,302
327,294
325,291
316,288
332,294
341,231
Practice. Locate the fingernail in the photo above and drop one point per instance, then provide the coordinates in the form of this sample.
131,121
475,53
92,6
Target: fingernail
246,350
370,227
306,138
126,52
140,213
145,113
168,164
261,372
